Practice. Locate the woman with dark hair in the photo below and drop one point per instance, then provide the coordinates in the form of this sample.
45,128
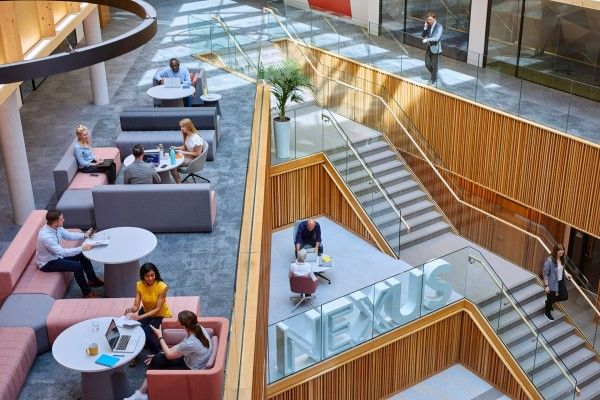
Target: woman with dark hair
151,292
193,352
554,279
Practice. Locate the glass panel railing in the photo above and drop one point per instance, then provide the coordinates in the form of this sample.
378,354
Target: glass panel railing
315,334
461,71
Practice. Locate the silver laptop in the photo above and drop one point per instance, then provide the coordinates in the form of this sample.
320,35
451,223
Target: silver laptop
118,342
172,83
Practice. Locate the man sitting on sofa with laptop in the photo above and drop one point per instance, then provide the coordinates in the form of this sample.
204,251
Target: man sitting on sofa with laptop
176,71
139,171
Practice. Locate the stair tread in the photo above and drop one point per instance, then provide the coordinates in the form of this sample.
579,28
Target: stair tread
414,223
393,190
357,186
419,233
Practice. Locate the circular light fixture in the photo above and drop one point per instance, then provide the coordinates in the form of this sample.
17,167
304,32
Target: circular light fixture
88,55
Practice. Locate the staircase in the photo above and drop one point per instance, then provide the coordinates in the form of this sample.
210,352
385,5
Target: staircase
417,209
560,335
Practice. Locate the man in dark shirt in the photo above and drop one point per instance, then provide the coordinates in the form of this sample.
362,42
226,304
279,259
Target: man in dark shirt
309,233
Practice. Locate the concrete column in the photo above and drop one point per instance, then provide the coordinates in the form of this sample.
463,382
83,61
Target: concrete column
479,9
15,159
91,29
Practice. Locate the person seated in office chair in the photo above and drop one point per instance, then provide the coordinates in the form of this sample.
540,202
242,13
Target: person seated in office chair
192,145
175,71
300,267
140,172
309,233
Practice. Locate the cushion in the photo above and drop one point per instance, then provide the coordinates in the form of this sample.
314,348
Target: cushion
213,354
77,206
54,284
29,311
17,354
81,180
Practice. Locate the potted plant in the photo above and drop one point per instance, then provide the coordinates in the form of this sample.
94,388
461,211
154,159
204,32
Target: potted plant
286,79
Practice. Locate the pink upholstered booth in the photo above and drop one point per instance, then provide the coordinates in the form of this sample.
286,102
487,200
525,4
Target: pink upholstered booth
86,181
196,384
18,270
17,355
68,312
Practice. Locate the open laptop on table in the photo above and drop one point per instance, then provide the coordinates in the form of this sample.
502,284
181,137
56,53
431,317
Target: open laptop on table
172,83
152,157
118,342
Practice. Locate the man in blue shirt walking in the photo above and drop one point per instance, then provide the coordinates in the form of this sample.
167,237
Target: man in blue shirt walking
432,37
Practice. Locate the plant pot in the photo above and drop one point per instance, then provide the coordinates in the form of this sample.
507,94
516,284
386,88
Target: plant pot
282,137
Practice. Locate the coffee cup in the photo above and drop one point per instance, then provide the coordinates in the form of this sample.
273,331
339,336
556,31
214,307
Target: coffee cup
92,349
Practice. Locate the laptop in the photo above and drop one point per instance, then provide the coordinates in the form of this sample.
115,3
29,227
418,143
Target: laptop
152,157
172,83
118,342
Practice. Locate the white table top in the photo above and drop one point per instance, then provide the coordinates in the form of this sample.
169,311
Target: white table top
125,244
211,97
163,93
166,162
322,268
69,347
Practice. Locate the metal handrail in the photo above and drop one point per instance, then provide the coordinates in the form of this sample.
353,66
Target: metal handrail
502,287
235,41
424,156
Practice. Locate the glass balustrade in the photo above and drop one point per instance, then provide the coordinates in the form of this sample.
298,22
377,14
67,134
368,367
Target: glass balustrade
314,334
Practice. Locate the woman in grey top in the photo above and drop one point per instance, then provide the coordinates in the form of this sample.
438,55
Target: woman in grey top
555,284
193,352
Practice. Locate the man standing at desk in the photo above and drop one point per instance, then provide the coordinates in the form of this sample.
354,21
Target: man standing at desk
309,233
52,257
176,71
140,172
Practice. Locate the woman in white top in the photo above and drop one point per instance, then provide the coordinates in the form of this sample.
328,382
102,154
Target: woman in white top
302,268
192,145
193,352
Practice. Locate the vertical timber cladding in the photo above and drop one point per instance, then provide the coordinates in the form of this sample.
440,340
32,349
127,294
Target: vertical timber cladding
515,158
404,361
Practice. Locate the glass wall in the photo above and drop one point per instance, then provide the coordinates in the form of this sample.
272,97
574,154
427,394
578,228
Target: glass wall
409,16
559,45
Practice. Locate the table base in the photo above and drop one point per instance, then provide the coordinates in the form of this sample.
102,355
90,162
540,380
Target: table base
165,176
120,279
171,103
105,385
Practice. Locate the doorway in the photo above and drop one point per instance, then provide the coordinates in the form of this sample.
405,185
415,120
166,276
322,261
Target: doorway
584,250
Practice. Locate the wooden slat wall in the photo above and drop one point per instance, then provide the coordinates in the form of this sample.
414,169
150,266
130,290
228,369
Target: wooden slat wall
303,188
246,358
404,357
517,159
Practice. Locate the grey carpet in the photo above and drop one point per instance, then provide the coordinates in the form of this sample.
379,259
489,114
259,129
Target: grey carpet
191,264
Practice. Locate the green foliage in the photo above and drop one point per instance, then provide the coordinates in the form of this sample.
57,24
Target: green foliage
286,79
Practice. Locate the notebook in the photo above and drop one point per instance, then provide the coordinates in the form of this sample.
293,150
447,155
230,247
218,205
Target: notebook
172,82
107,360
118,342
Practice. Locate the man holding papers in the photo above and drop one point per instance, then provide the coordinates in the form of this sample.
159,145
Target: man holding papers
52,257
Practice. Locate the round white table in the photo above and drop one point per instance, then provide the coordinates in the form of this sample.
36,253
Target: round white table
170,97
164,173
97,381
126,245
212,100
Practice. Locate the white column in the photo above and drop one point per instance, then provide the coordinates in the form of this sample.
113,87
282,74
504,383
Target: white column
476,47
15,159
91,29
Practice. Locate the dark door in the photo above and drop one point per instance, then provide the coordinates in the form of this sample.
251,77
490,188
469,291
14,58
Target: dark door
584,250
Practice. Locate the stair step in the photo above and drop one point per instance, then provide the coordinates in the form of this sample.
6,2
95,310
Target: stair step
405,199
415,223
552,335
366,186
421,235
348,160
376,196
541,359
587,373
590,391
512,289
371,144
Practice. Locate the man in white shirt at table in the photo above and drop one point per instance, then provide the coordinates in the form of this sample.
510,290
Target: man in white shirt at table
302,268
52,257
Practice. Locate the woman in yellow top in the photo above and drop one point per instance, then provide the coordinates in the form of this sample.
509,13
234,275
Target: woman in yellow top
151,292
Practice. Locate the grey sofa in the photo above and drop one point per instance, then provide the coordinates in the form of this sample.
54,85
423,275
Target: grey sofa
150,127
158,208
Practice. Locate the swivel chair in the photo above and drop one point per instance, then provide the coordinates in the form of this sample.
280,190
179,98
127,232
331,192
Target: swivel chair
305,287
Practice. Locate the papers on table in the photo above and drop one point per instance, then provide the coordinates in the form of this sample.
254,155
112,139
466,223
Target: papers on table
98,242
124,322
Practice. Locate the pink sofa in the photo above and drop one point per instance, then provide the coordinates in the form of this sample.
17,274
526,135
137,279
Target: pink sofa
18,269
67,312
17,353
196,384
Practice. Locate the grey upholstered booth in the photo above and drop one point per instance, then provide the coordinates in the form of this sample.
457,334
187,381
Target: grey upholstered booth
158,208
28,310
77,207
153,126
